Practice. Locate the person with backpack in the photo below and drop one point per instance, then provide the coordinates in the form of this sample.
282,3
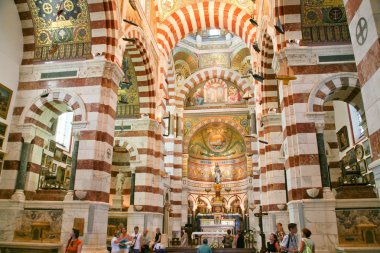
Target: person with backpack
290,242
307,245
228,240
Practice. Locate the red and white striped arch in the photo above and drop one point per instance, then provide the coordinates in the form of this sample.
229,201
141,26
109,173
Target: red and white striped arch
326,88
201,16
210,73
143,69
32,113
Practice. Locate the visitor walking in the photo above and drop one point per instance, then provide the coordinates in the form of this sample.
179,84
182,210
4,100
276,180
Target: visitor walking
74,245
290,242
115,243
145,241
228,240
204,248
239,240
123,241
279,229
136,241
272,245
184,239
307,245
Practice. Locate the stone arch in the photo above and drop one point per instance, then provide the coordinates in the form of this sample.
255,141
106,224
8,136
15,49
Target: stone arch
232,123
200,16
33,112
208,73
233,199
204,199
132,149
141,59
323,91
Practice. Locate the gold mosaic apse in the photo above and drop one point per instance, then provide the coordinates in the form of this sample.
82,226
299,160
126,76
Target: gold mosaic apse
62,29
217,143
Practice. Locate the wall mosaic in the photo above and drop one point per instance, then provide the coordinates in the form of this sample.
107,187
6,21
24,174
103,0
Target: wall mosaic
62,29
358,226
324,21
39,225
167,7
216,140
214,60
215,92
190,123
128,94
231,169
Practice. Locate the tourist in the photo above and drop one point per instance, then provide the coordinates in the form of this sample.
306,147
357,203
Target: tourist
123,241
228,240
145,241
157,237
204,248
280,239
273,245
279,229
115,243
239,240
136,241
184,239
290,242
74,245
307,245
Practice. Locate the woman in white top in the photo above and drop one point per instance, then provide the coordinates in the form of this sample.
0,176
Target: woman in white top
115,243
306,245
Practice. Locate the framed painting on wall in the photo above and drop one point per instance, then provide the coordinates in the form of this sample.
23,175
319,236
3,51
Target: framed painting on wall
351,156
3,129
367,149
362,166
343,140
52,145
5,100
58,154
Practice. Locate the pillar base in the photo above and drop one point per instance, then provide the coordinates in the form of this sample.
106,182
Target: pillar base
69,196
18,195
117,202
327,193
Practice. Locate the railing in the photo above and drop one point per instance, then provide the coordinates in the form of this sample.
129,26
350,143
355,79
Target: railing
127,111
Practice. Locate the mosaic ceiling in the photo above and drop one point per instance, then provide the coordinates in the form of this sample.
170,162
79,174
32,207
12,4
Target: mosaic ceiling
62,29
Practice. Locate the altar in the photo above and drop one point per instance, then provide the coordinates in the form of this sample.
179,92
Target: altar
218,222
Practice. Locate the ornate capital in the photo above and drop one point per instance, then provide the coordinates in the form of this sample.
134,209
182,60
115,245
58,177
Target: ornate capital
77,128
319,126
28,132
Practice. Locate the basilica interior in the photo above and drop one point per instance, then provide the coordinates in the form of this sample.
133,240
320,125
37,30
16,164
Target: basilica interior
196,115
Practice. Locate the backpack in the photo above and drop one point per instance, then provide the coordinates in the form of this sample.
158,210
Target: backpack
307,248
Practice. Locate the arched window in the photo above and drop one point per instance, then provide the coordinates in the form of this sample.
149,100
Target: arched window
63,132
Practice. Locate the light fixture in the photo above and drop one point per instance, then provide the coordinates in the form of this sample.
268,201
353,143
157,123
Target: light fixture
279,26
253,22
130,22
61,9
45,93
133,4
256,47
251,135
257,77
132,40
207,190
245,76
247,95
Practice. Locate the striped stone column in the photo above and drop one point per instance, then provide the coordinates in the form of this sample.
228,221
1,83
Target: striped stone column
362,18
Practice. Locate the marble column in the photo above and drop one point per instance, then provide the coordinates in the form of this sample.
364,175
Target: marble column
74,159
21,175
132,194
325,174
